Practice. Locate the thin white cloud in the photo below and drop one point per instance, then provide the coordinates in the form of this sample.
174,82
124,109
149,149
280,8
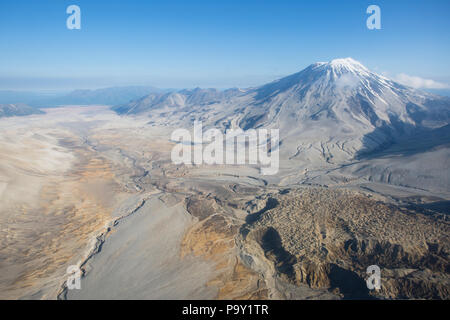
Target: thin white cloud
347,80
419,83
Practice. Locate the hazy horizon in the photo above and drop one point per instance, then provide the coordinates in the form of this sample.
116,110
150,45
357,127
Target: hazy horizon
210,44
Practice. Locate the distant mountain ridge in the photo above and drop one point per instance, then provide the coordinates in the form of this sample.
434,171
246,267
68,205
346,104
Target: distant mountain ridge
19,109
104,96
178,99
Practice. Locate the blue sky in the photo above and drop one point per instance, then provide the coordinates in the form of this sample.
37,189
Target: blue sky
214,43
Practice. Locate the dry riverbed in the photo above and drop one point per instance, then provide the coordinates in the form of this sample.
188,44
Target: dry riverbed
83,186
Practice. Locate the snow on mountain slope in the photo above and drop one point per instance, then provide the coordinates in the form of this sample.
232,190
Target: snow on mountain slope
332,111
327,114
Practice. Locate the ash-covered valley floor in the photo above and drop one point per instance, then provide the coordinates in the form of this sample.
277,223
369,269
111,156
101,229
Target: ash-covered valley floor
84,186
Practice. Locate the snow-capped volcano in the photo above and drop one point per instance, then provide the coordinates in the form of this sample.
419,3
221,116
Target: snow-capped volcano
332,109
345,90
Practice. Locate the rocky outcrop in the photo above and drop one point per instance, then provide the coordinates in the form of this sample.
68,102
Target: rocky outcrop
327,238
